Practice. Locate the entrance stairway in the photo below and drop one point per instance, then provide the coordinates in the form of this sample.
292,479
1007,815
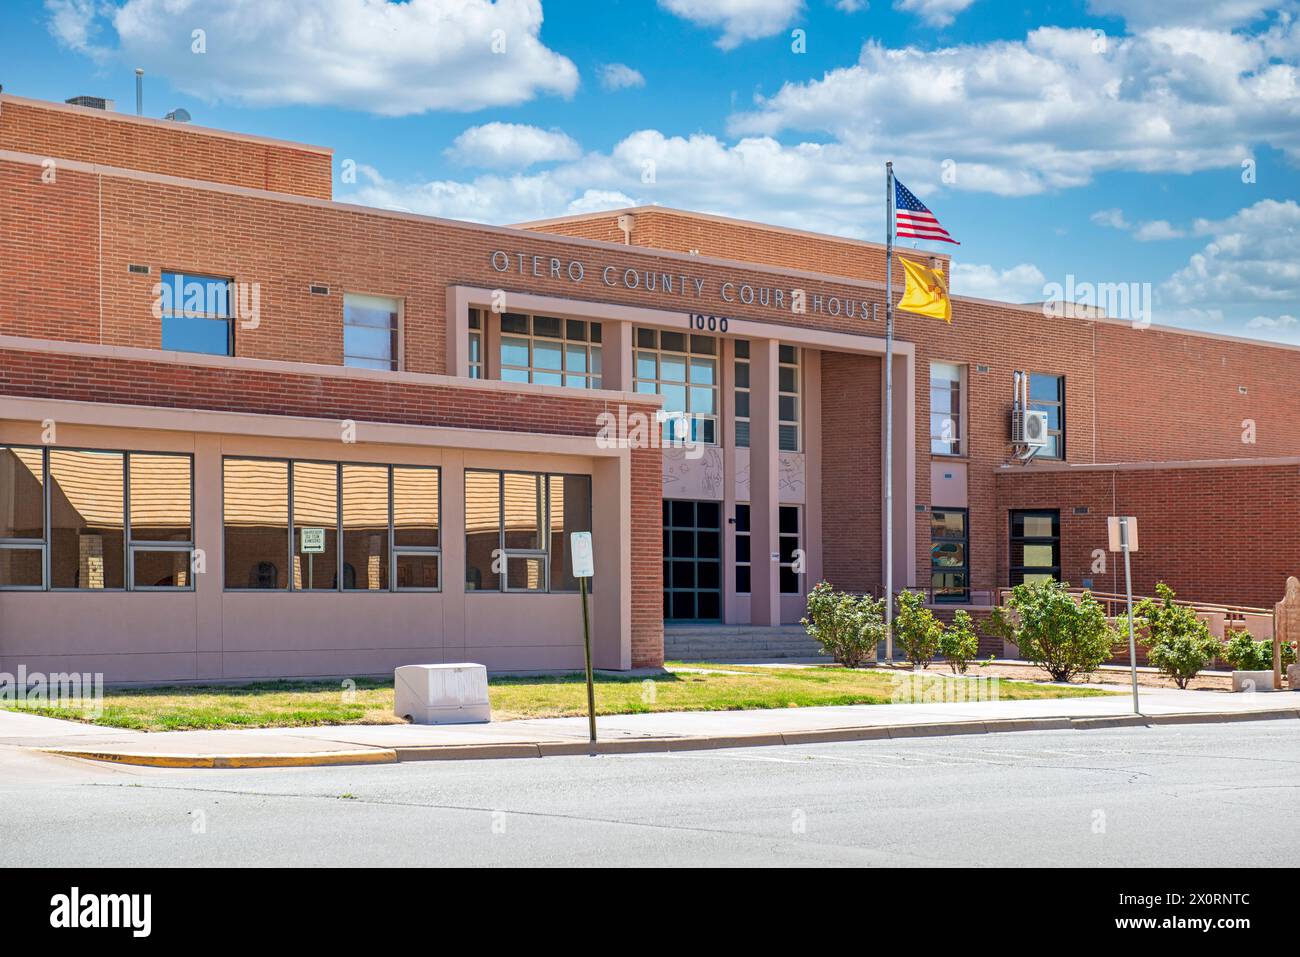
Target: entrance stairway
738,643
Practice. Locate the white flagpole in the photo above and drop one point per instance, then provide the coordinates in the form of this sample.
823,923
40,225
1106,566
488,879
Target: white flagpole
889,411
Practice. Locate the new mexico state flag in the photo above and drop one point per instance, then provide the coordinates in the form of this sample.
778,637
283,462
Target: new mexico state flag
926,293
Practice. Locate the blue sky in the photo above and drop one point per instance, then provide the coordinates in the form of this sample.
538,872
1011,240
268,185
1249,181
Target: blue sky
1102,139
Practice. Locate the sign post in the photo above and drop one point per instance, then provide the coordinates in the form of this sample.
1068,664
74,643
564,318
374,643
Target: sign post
1124,538
584,567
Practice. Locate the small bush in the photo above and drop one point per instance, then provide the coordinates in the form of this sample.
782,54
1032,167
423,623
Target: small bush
846,627
1244,653
1178,643
916,630
1064,636
958,643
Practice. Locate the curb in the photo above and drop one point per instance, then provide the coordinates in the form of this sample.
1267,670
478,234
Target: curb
664,745
310,759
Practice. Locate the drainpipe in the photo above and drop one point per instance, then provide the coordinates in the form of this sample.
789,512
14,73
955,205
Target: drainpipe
625,223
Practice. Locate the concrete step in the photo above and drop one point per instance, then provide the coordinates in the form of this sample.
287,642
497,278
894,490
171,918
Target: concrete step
738,642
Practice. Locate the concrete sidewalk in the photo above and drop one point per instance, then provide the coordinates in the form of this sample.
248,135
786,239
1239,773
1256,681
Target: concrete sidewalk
667,731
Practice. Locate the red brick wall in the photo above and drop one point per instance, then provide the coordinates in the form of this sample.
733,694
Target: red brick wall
111,139
851,471
131,382
1227,534
682,232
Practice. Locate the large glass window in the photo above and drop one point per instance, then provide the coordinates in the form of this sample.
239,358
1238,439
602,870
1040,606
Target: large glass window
22,517
87,520
1035,546
95,540
316,526
255,501
1047,394
949,563
683,368
744,561
389,517
946,408
787,400
370,330
197,313
550,351
517,526
788,535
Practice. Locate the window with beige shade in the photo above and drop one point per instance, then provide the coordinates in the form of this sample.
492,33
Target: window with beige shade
330,526
95,520
517,526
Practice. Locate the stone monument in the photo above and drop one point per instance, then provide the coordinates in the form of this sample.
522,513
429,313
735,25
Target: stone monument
1286,628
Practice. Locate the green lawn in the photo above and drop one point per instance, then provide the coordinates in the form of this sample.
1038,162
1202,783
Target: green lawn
287,704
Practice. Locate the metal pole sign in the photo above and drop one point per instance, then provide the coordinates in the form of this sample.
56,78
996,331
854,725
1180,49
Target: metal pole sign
1123,534
584,567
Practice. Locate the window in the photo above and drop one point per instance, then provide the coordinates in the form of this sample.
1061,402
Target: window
949,571
197,313
787,401
744,560
945,408
22,518
370,326
741,417
517,526
683,369
352,527
65,522
549,351
475,344
161,494
1047,394
788,531
1035,546
692,560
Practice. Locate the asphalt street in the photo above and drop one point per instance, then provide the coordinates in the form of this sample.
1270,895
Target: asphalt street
1196,795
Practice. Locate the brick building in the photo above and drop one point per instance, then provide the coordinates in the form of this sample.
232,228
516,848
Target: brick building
246,430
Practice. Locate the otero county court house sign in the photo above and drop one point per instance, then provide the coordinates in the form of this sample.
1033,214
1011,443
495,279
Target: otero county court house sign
795,300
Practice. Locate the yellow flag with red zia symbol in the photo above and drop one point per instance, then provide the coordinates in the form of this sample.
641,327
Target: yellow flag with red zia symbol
927,291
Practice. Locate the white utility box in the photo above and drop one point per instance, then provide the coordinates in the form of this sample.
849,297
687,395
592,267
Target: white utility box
442,694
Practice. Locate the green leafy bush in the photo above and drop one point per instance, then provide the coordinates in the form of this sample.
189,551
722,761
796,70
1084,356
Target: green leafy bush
916,629
1178,643
1064,635
958,643
1244,653
847,627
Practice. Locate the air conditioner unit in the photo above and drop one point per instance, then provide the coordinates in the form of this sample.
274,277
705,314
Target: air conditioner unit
1029,428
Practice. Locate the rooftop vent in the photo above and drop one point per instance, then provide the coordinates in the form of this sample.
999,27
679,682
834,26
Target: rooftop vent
179,115
94,102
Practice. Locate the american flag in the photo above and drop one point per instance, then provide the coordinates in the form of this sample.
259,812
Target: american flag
913,220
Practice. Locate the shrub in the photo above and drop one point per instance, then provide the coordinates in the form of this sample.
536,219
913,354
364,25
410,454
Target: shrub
998,626
1244,653
916,630
1178,643
1064,636
847,628
958,643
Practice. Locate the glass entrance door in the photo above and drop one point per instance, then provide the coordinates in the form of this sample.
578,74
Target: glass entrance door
692,560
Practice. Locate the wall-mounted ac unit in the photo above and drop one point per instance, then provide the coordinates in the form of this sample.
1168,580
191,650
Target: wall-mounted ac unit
1029,428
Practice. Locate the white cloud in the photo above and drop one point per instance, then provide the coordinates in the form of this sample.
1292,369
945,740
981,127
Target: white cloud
511,146
620,76
809,186
1023,283
1208,13
1114,218
740,20
1052,111
851,6
392,59
1251,261
937,13
1157,230
1273,323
